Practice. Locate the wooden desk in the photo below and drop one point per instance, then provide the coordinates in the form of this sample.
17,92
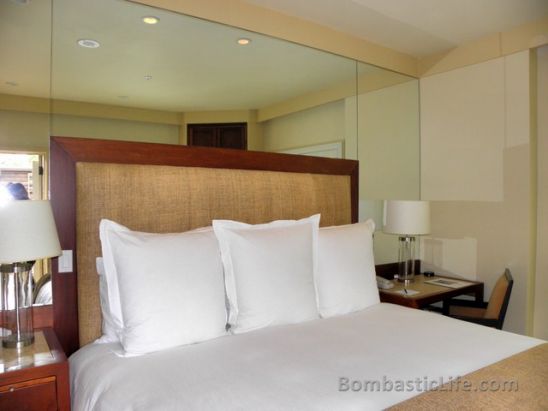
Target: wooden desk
429,293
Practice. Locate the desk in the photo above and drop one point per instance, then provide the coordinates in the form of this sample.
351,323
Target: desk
429,293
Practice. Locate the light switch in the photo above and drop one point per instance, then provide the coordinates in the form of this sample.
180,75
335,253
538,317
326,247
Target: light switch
65,262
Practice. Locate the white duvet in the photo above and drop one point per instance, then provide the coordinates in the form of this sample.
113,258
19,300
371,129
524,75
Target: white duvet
328,364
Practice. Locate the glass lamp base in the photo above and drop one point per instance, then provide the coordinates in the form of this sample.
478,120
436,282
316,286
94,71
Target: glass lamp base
11,341
406,260
406,280
16,328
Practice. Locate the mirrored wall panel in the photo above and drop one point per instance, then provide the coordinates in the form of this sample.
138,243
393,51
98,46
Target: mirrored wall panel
388,147
127,71
25,47
114,69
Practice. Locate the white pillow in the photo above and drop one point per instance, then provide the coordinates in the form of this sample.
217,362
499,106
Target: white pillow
269,271
110,277
171,288
109,328
346,269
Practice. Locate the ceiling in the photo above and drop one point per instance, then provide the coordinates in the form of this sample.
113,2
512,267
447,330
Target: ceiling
415,27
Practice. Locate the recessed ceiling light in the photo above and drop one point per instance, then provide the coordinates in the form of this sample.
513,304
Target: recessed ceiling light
148,77
123,97
243,41
88,43
12,83
150,20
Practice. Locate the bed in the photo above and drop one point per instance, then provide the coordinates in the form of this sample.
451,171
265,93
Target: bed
381,356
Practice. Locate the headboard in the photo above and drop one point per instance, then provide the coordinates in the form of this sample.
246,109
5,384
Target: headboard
169,188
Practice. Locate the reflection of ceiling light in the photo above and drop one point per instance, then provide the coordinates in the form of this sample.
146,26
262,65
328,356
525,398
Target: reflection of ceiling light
150,20
88,43
22,2
123,97
148,77
243,41
12,83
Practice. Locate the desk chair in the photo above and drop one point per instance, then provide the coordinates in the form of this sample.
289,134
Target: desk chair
490,314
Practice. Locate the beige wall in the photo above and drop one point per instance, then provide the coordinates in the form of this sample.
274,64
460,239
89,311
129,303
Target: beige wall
30,131
318,125
475,165
388,151
462,133
388,142
75,126
540,325
20,130
26,122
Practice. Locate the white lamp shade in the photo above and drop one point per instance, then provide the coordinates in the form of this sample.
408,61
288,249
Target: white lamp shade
406,217
27,231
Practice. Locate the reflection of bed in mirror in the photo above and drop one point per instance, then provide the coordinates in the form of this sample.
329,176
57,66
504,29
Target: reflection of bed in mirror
315,364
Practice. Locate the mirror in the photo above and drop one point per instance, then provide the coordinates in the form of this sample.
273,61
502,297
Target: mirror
25,46
148,82
388,147
183,70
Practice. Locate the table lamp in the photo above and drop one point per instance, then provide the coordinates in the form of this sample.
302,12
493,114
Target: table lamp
27,233
408,219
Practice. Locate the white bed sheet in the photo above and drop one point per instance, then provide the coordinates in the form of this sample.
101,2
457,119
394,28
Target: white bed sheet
293,367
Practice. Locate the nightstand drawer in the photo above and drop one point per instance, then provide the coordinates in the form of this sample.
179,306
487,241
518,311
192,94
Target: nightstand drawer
39,394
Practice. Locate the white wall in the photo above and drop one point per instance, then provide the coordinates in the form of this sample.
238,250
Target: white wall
475,165
540,326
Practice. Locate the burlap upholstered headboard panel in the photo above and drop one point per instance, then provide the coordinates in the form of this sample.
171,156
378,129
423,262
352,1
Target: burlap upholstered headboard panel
163,188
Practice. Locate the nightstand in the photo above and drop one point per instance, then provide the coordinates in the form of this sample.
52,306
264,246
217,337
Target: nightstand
37,378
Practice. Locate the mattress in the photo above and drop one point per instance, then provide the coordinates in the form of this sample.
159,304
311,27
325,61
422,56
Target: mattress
370,360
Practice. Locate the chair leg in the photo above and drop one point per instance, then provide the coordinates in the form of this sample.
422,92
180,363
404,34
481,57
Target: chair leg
445,307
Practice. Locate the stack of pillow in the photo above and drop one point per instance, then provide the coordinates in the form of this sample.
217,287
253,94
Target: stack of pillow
164,290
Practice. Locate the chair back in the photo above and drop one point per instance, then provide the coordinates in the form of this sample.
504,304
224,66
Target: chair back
39,284
498,303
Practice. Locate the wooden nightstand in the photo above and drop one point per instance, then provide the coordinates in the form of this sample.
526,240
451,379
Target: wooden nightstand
37,378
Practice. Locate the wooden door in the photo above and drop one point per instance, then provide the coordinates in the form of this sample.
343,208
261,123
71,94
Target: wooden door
225,135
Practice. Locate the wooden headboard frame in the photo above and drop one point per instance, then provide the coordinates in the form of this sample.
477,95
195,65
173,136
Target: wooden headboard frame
66,152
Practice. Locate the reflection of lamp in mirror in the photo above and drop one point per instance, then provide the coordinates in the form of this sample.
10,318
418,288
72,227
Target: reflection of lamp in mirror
28,233
408,219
